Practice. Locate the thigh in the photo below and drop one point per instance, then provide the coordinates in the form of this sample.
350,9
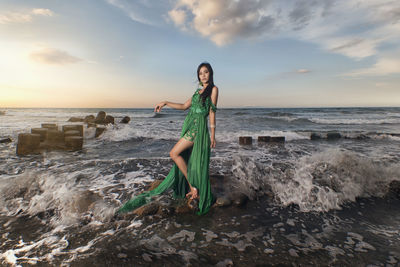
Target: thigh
181,145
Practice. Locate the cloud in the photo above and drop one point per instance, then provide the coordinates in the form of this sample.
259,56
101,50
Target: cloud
18,17
143,11
383,66
53,56
303,71
352,28
43,12
177,16
222,21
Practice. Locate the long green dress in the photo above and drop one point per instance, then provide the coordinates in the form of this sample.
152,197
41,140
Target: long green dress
196,157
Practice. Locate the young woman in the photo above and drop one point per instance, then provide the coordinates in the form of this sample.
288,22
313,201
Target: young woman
189,176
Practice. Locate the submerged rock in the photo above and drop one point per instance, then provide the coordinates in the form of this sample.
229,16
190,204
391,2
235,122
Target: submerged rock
223,201
239,199
6,140
333,136
125,119
315,136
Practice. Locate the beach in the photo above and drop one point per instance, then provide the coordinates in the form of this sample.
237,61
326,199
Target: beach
320,202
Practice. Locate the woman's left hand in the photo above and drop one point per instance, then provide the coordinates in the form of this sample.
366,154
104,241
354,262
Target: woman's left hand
213,142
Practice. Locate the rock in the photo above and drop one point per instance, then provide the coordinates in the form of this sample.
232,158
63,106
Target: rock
27,143
333,136
165,211
89,118
71,133
183,209
223,201
75,119
154,184
100,118
315,136
109,119
362,137
394,188
122,255
147,257
245,140
99,131
239,199
41,131
76,127
6,140
263,138
73,143
148,209
126,119
50,126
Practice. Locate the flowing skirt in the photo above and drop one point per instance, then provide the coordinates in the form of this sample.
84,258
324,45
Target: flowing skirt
197,159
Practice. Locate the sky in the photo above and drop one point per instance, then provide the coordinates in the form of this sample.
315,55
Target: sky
136,53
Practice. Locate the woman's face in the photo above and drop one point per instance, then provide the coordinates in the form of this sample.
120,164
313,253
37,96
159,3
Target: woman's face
204,74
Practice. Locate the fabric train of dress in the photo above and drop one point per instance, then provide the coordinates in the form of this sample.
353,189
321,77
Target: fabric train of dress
197,159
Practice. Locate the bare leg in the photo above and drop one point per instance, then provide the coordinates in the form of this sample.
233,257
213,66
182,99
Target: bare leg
175,152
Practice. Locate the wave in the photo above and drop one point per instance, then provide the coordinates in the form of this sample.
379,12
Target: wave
319,182
241,113
280,114
357,121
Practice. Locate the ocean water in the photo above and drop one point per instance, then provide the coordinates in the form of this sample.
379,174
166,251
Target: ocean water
312,202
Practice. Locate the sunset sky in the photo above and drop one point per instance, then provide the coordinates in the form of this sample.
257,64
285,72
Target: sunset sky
133,54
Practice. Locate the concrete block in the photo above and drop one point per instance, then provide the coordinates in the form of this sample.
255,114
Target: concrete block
41,131
76,127
245,140
73,143
72,133
28,143
50,126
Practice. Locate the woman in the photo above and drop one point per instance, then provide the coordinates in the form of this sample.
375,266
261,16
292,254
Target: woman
189,176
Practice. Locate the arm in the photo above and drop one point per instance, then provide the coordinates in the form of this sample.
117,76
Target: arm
183,106
214,99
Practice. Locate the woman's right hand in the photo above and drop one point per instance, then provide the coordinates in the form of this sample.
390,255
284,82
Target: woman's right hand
160,106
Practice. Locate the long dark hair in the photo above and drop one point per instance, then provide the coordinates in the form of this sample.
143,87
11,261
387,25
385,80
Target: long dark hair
207,92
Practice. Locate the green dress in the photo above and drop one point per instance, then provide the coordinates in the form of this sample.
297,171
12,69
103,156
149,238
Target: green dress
196,157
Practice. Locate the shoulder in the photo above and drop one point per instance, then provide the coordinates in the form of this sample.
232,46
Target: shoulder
214,90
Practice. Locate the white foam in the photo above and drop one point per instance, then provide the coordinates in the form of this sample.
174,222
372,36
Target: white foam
357,121
318,182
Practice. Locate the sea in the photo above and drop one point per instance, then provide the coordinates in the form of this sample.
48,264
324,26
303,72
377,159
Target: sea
311,202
